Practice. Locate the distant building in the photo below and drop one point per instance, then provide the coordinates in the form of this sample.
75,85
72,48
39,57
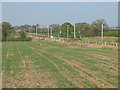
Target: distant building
18,30
113,28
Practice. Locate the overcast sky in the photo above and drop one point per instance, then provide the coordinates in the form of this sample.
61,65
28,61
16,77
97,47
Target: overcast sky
46,13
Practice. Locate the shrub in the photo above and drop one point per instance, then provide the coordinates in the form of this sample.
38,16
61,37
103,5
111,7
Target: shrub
22,35
10,37
111,33
28,39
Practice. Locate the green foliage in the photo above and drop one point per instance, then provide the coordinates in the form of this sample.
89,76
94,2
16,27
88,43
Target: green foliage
10,37
22,35
55,27
6,29
64,29
111,33
95,28
28,39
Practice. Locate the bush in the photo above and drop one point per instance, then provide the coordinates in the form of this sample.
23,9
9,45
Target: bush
10,37
22,35
111,33
28,39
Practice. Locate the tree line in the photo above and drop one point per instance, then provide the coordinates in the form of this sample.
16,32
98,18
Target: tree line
8,33
82,29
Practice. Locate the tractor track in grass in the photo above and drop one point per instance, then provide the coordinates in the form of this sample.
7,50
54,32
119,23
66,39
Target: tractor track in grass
61,72
77,84
35,73
45,57
105,57
26,73
91,79
102,63
107,68
28,61
98,78
9,68
21,56
94,56
83,69
69,69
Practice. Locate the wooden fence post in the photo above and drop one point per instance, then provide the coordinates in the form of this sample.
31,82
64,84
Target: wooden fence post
105,43
96,43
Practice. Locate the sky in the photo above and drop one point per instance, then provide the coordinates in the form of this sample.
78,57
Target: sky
46,13
60,0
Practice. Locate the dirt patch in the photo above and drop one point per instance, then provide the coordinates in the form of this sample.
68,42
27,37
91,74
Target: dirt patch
12,54
44,51
11,71
7,54
23,63
40,44
28,61
52,47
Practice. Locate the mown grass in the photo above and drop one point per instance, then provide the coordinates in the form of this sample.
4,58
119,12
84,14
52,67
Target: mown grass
50,64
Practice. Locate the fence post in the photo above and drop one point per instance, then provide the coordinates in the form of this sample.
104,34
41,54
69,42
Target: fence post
116,44
105,43
96,43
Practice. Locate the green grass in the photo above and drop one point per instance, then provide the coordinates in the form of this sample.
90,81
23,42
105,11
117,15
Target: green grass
113,33
50,64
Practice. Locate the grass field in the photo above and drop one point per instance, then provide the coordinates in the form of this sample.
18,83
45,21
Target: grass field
47,64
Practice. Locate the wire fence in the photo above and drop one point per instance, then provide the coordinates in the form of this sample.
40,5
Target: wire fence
101,43
91,42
